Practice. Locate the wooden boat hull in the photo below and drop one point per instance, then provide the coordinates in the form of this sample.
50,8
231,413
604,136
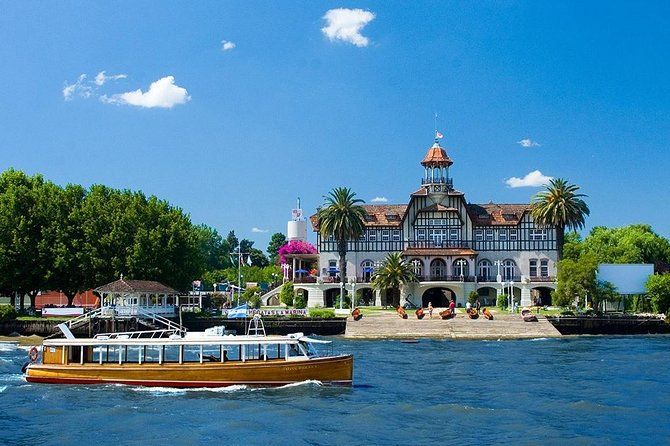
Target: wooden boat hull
335,370
447,314
487,315
472,314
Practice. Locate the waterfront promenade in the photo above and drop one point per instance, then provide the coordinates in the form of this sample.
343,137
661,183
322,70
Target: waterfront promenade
388,325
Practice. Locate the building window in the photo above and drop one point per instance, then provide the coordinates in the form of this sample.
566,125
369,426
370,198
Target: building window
461,267
396,235
417,266
332,268
533,267
368,268
513,235
372,236
502,235
489,235
544,268
421,234
438,268
386,235
453,234
485,268
509,269
362,238
538,234
437,236
479,235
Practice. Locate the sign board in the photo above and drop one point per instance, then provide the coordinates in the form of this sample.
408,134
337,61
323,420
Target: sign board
279,312
628,278
62,311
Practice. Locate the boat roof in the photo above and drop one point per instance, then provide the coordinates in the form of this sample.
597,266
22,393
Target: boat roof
192,338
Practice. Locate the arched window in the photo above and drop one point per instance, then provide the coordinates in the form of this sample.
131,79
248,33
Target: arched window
509,269
485,270
417,266
461,267
438,268
368,269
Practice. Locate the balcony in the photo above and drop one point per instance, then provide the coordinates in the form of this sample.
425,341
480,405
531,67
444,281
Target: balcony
544,279
448,181
447,278
428,244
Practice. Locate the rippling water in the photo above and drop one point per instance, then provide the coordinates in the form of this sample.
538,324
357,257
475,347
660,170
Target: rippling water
588,390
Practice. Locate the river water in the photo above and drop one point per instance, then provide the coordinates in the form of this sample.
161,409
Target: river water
586,390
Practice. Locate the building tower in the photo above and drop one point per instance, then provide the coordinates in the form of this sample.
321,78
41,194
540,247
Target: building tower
436,179
297,227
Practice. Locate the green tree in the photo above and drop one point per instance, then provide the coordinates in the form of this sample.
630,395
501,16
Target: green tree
394,273
232,240
658,288
628,244
287,294
560,206
276,241
341,218
576,279
258,258
604,292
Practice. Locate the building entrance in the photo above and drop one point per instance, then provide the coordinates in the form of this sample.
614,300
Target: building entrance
438,297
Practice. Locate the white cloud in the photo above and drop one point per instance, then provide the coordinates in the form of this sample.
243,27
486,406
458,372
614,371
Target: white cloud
259,230
101,78
227,45
346,25
79,88
533,179
379,200
527,143
162,93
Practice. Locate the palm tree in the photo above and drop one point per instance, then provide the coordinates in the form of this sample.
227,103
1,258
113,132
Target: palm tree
561,206
342,218
394,273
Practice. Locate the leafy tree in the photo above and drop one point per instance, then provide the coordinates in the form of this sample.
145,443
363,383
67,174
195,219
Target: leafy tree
341,218
605,292
232,240
576,278
628,244
287,294
472,297
258,258
658,288
501,301
394,273
560,206
276,241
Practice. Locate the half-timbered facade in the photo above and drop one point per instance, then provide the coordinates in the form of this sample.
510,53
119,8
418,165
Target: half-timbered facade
455,247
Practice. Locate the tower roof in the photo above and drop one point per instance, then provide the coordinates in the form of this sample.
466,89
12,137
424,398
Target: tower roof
436,157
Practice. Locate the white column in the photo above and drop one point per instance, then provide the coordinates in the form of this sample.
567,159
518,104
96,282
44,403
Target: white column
525,295
378,298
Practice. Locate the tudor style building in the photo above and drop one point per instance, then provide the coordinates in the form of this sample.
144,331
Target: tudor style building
455,247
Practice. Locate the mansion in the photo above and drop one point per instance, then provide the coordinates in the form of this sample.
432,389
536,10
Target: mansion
454,246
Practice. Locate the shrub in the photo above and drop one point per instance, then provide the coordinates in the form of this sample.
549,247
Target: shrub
501,301
7,313
323,313
300,301
472,297
658,287
255,301
286,295
347,302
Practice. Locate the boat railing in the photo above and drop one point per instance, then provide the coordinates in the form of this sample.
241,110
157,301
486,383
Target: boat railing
146,334
256,326
84,318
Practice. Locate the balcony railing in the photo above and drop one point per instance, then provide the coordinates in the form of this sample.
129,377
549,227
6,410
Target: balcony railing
424,244
448,181
542,279
447,278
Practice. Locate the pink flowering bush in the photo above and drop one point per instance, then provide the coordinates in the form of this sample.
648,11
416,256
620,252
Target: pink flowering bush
295,247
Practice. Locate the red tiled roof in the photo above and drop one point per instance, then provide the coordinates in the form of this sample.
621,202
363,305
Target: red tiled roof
436,156
376,215
136,286
439,252
493,214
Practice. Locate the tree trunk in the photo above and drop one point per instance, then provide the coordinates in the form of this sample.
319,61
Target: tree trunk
342,251
33,297
560,241
22,300
70,297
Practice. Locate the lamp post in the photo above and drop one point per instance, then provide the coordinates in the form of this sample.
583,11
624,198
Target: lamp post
239,289
352,281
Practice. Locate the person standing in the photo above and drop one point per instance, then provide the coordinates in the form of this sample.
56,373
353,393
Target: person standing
478,305
452,306
430,309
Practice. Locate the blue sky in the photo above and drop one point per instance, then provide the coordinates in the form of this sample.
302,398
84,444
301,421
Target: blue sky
289,110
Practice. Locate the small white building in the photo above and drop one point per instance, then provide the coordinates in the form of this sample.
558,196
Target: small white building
131,298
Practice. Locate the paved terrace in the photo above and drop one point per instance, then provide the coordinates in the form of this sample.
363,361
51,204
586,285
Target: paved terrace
384,325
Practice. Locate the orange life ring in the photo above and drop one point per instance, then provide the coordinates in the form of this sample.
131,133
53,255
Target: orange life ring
33,354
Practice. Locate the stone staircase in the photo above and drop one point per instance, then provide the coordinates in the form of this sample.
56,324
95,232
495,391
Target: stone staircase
386,325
